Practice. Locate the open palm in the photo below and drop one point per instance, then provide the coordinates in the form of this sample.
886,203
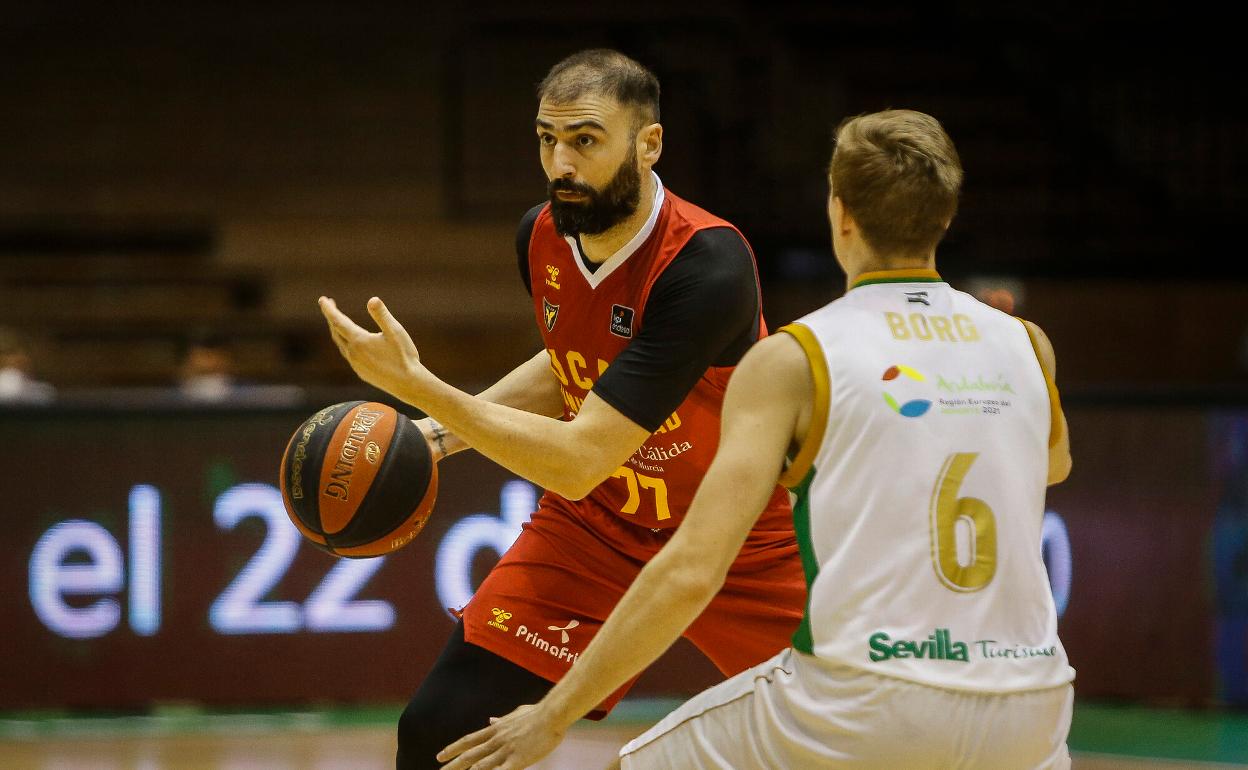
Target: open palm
386,359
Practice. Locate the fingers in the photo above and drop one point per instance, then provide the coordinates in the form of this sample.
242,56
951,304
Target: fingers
391,329
340,326
479,758
381,314
335,317
463,744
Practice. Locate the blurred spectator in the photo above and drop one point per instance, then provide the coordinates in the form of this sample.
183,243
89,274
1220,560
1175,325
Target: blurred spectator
1004,293
206,373
1001,299
16,383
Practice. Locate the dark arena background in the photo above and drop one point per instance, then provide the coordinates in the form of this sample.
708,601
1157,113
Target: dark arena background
180,182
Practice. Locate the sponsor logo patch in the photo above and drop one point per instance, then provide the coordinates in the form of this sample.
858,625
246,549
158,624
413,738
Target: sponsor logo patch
937,646
913,408
622,321
563,630
557,651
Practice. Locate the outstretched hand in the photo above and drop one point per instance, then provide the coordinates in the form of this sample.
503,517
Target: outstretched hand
387,359
512,742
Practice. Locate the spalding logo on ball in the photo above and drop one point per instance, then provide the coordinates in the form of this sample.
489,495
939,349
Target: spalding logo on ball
358,480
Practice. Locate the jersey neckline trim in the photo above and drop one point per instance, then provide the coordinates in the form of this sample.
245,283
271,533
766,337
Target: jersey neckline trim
627,250
909,275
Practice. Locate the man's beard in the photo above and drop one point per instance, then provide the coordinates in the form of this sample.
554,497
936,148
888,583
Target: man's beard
601,210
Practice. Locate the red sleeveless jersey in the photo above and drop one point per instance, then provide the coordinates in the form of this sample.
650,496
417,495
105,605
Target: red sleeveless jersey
585,327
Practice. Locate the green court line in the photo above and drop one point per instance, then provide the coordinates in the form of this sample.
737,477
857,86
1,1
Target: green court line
1137,731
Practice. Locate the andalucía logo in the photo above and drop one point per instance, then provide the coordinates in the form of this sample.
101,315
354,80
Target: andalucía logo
914,408
938,646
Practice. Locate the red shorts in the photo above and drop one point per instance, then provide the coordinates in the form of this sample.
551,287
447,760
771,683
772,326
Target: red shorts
553,589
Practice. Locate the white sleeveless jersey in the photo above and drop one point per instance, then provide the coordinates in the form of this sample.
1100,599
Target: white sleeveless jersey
920,503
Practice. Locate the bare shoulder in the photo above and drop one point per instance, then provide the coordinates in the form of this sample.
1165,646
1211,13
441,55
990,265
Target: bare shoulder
776,362
774,381
1043,346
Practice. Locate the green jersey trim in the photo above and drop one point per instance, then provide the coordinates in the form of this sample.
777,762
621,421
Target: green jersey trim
802,638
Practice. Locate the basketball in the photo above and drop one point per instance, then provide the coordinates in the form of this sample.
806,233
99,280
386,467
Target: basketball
358,480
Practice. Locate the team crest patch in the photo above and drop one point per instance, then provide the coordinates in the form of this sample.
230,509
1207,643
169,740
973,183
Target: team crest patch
621,321
551,312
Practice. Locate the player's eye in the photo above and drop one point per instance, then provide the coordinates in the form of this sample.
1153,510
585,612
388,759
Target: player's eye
584,140
547,140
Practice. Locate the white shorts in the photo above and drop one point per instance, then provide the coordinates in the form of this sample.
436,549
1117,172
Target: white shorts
795,711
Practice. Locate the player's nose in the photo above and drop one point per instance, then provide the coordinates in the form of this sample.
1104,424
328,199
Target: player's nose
563,161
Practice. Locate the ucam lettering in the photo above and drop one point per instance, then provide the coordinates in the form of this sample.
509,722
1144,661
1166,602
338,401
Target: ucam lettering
938,646
576,368
576,373
557,652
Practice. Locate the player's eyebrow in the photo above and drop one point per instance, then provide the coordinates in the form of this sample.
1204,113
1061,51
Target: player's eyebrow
575,125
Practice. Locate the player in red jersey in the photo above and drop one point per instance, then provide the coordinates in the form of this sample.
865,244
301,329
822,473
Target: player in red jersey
645,303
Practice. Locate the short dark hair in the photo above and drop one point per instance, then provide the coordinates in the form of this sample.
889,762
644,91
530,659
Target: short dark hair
607,72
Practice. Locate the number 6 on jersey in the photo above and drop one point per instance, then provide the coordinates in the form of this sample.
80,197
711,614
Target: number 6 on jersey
947,509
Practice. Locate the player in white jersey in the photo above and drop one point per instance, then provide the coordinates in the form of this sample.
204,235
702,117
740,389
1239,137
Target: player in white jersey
918,429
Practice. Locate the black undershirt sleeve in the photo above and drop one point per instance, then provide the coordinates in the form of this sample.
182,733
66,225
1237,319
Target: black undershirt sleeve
702,312
524,234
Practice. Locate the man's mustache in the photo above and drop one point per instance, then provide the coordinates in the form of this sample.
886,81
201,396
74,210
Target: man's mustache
567,185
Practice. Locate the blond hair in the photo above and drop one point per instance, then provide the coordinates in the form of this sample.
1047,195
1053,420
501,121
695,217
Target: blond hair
898,175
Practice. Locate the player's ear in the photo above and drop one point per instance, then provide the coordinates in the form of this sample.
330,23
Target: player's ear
841,220
650,144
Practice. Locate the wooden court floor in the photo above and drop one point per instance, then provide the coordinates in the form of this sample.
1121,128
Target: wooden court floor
343,748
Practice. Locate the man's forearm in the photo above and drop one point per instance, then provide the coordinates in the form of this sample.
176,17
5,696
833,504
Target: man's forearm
663,606
556,455
678,583
673,588
531,387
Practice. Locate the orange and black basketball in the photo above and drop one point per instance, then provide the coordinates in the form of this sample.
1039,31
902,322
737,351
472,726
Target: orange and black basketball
358,480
